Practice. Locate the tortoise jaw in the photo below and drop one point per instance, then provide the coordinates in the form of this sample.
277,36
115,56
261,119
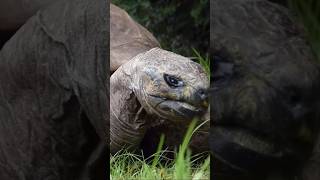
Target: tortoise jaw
179,110
176,110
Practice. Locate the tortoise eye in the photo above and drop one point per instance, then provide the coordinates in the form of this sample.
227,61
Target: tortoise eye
173,81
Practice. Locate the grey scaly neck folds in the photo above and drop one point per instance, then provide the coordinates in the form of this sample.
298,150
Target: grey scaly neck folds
126,127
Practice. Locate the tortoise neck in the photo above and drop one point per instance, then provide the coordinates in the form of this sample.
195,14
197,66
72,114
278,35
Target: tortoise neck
127,117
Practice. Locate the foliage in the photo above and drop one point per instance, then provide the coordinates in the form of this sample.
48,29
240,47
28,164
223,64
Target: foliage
125,165
308,12
203,61
178,25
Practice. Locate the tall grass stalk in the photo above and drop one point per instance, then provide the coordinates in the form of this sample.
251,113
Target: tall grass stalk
129,166
203,61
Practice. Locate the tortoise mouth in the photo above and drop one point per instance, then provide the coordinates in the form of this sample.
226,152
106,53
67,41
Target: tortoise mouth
177,110
180,110
245,150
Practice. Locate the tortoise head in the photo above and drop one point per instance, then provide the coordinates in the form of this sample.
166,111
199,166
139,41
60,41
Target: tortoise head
169,85
265,84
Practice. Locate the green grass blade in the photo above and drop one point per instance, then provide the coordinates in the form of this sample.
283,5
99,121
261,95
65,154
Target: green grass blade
203,61
158,152
125,165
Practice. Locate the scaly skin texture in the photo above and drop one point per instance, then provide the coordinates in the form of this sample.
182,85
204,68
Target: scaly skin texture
140,97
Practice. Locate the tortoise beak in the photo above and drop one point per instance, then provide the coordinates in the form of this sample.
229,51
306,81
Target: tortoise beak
200,98
180,110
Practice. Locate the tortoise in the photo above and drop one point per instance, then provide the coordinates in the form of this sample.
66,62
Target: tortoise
149,86
265,93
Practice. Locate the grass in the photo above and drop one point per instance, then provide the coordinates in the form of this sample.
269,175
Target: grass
203,61
129,166
308,12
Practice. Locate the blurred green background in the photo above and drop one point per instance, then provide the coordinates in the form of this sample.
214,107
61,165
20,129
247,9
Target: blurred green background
179,25
308,13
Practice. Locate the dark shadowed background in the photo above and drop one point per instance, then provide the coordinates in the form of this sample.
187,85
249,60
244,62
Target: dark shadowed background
178,25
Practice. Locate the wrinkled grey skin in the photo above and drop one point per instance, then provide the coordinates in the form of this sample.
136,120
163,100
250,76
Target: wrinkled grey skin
265,93
141,98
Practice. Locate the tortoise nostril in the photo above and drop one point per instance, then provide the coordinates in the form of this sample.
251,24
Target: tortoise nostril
203,94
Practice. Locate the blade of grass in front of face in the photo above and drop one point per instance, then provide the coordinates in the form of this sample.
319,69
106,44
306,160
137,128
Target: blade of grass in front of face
182,164
158,152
